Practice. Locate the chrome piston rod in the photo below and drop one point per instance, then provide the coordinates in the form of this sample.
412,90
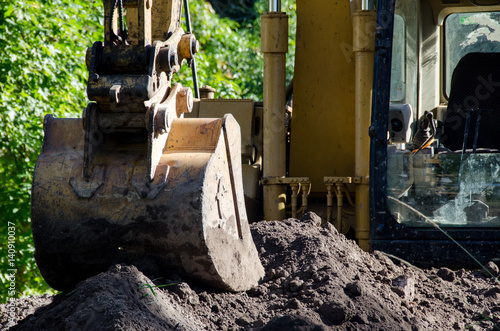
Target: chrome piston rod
274,5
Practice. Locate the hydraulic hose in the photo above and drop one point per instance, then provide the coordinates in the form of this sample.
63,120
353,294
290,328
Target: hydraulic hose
193,63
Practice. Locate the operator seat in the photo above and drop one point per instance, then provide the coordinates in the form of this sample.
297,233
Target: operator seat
474,93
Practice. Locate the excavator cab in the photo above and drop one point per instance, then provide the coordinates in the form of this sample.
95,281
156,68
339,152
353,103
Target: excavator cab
133,181
435,142
397,126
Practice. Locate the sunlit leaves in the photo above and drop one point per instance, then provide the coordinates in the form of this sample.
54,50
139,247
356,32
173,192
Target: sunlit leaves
230,59
42,71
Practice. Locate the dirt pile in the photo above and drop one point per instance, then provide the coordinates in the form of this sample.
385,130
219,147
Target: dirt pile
316,279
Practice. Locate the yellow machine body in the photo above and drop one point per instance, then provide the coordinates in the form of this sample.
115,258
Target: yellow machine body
322,138
329,148
329,143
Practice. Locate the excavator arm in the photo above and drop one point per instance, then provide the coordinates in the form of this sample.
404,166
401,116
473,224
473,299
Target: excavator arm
133,181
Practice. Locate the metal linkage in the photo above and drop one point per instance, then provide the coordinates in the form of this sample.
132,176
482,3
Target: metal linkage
131,81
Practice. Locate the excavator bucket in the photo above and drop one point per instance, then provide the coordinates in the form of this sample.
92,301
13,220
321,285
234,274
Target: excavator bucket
190,218
133,181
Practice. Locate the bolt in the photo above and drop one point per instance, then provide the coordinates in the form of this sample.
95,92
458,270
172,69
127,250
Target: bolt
184,101
195,47
372,131
94,77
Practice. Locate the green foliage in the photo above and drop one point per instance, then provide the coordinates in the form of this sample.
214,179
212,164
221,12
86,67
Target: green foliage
151,288
42,71
237,10
230,59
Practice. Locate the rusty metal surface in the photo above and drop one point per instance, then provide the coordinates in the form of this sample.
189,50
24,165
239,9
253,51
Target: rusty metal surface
142,74
133,182
191,217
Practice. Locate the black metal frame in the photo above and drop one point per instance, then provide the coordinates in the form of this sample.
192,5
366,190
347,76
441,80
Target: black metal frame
422,246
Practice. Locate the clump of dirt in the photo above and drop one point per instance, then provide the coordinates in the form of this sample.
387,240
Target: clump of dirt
316,279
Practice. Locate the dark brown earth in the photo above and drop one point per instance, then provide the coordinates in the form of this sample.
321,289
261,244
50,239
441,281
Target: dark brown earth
316,279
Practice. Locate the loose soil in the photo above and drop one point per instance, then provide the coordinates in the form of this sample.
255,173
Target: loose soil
316,279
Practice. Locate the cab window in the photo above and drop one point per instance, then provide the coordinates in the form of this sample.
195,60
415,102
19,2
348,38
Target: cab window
466,33
398,70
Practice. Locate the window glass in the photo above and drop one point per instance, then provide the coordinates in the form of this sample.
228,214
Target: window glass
405,54
428,185
446,189
398,69
466,33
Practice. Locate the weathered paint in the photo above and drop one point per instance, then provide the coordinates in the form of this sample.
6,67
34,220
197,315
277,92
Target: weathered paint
194,222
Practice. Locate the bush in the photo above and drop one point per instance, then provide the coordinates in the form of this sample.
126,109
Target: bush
42,71
230,59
